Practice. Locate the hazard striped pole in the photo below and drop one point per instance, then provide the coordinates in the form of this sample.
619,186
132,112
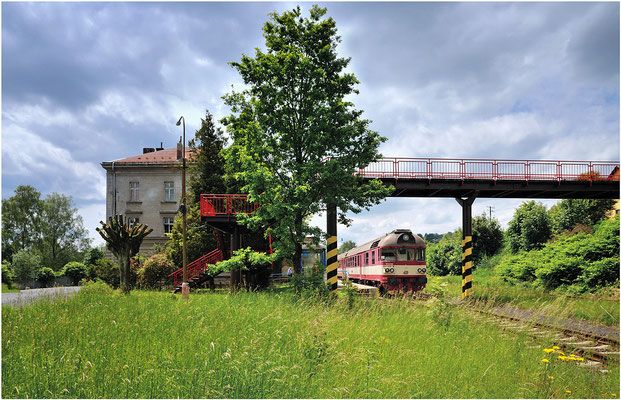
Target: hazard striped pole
466,267
466,244
332,248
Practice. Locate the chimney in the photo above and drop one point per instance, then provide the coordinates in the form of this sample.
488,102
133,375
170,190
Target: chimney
179,150
146,150
160,148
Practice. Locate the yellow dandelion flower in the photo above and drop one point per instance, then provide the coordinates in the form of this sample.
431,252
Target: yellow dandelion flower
549,350
579,359
613,394
561,353
562,358
545,360
550,377
556,347
567,391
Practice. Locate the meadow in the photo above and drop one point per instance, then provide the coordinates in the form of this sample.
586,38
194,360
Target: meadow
601,307
101,344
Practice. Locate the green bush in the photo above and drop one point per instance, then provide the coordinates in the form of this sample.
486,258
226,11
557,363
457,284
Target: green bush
155,271
96,287
45,275
7,276
92,255
75,271
577,263
444,258
24,265
310,284
106,270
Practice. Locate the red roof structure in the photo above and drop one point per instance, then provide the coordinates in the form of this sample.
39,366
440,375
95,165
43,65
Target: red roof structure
161,156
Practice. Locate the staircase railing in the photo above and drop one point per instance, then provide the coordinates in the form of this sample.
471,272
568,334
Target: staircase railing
196,267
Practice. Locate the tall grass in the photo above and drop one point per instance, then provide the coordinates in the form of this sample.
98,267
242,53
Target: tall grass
600,308
155,345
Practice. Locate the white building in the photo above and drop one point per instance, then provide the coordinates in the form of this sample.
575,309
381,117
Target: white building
146,189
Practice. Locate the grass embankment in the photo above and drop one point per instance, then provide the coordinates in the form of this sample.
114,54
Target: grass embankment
156,345
602,307
5,289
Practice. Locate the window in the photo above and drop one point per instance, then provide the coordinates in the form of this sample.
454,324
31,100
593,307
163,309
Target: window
169,191
366,258
168,224
134,191
388,255
421,254
373,257
406,254
133,221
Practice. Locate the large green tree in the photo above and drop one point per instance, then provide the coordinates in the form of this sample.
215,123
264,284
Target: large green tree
21,215
297,141
568,213
207,167
346,246
530,227
63,236
488,234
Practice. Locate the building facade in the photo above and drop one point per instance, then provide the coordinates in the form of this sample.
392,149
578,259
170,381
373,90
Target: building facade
146,189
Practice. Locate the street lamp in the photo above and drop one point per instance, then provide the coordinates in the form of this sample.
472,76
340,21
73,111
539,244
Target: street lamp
185,287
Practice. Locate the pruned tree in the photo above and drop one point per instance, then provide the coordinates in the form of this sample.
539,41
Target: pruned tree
124,242
297,139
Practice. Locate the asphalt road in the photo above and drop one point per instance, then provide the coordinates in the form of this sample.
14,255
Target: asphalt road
25,297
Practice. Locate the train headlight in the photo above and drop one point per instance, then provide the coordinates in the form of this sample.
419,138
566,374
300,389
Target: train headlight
422,270
392,270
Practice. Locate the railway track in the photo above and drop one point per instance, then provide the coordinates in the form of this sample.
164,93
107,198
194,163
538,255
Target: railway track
591,345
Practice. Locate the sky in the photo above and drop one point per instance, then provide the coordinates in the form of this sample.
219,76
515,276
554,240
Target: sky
84,83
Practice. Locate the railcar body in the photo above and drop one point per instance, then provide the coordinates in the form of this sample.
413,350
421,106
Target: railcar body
394,262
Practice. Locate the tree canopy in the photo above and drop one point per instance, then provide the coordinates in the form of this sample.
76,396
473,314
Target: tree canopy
51,227
571,212
346,246
296,141
488,236
530,227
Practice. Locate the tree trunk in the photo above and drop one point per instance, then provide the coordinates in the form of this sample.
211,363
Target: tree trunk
297,259
124,272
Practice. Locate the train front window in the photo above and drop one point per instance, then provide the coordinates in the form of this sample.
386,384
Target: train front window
421,254
388,255
406,254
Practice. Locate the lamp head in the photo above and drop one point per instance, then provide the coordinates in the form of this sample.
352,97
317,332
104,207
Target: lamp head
179,122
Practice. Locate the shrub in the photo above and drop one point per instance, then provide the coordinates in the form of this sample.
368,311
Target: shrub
96,287
310,284
24,265
155,271
106,270
45,275
577,262
92,255
7,276
75,271
444,257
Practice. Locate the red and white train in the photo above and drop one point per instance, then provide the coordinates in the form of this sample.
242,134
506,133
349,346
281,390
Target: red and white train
394,262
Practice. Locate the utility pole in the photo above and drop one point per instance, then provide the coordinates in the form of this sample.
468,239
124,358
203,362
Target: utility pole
490,212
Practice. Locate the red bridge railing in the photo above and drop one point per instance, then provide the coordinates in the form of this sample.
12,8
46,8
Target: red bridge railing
226,204
196,267
442,168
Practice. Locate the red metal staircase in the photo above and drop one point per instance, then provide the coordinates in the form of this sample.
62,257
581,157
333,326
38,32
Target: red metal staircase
197,270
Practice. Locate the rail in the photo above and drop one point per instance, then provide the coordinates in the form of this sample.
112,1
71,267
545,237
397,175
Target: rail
485,169
197,267
226,204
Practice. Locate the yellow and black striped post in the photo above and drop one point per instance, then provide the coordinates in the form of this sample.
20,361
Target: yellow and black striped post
466,258
332,263
466,267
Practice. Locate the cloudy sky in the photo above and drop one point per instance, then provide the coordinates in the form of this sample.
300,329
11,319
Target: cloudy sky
84,83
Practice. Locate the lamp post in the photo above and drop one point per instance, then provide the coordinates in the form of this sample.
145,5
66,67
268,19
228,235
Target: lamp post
185,287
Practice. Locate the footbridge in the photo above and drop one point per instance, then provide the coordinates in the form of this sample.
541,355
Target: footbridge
461,179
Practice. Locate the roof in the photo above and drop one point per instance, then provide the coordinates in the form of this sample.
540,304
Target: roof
161,157
394,238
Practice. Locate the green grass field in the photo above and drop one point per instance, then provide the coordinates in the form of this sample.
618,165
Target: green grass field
268,345
602,308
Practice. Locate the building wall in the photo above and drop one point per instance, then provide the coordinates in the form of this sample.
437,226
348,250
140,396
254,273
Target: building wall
151,207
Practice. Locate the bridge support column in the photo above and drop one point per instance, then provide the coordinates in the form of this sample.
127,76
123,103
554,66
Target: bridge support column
466,258
331,263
